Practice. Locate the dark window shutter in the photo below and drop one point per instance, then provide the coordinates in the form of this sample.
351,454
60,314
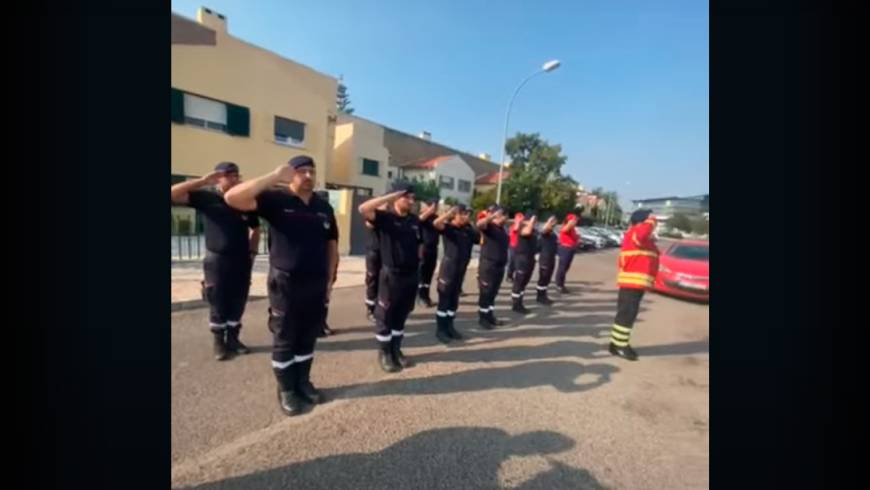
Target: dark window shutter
371,167
177,105
238,120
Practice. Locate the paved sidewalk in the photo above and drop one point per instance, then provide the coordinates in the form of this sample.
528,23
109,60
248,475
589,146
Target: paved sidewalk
186,277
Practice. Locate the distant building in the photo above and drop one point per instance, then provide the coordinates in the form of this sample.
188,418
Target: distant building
664,208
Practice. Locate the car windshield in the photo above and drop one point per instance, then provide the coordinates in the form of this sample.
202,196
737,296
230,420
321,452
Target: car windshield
691,252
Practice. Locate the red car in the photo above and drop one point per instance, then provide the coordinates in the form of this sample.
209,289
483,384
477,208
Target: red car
684,270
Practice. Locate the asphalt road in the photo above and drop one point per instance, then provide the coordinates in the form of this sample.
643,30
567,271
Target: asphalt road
537,404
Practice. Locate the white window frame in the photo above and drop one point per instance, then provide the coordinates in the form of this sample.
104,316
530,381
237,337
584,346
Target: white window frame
211,122
287,140
443,185
459,185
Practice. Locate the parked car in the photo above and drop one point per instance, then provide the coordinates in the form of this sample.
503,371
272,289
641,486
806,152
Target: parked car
684,270
612,239
587,236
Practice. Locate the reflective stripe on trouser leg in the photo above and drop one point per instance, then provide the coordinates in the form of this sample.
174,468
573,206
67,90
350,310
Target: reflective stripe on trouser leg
627,308
619,335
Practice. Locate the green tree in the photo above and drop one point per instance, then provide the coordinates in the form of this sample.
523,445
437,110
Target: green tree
342,101
700,226
483,200
424,190
680,222
451,201
536,181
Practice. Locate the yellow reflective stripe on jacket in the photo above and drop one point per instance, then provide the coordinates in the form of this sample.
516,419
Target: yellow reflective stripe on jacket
633,253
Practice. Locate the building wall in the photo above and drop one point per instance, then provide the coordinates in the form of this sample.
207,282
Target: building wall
240,73
453,167
355,140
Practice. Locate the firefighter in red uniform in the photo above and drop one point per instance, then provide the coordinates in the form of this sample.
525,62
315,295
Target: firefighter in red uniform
569,240
638,264
514,235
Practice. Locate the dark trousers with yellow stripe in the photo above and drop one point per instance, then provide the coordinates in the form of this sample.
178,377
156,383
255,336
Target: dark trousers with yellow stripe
627,308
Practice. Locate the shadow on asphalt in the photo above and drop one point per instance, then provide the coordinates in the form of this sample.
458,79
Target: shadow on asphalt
448,458
564,376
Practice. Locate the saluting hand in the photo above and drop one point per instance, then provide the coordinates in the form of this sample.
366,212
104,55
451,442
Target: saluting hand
285,173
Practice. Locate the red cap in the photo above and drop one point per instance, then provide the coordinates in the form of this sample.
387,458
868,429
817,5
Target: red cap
570,216
519,216
481,215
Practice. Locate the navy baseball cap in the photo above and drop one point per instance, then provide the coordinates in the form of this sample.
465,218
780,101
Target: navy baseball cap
462,208
406,187
301,161
494,208
227,167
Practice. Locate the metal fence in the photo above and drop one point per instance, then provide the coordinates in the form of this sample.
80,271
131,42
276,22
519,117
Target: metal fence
192,246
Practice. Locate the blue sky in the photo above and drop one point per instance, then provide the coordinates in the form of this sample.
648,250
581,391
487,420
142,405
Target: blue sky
629,105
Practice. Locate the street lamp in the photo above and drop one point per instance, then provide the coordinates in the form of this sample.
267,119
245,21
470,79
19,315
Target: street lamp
547,67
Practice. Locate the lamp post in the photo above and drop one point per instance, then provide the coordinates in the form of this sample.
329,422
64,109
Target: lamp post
546,68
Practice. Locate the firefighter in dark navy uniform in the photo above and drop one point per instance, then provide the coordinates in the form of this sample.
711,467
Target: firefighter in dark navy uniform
400,239
547,245
303,261
494,243
458,241
429,258
231,240
524,259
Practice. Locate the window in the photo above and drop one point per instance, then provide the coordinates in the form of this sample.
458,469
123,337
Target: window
389,174
445,182
289,132
371,167
691,252
205,113
210,114
464,185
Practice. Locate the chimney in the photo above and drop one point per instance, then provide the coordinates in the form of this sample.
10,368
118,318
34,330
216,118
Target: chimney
425,135
484,156
211,19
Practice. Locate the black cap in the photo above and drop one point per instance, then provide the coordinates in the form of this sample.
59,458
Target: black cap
301,161
406,187
462,208
431,201
529,213
227,167
494,208
639,216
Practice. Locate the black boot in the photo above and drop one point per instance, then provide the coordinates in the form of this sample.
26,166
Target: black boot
518,306
291,403
624,352
441,330
385,358
325,331
304,388
398,356
543,299
451,330
233,343
493,320
424,299
484,321
220,346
